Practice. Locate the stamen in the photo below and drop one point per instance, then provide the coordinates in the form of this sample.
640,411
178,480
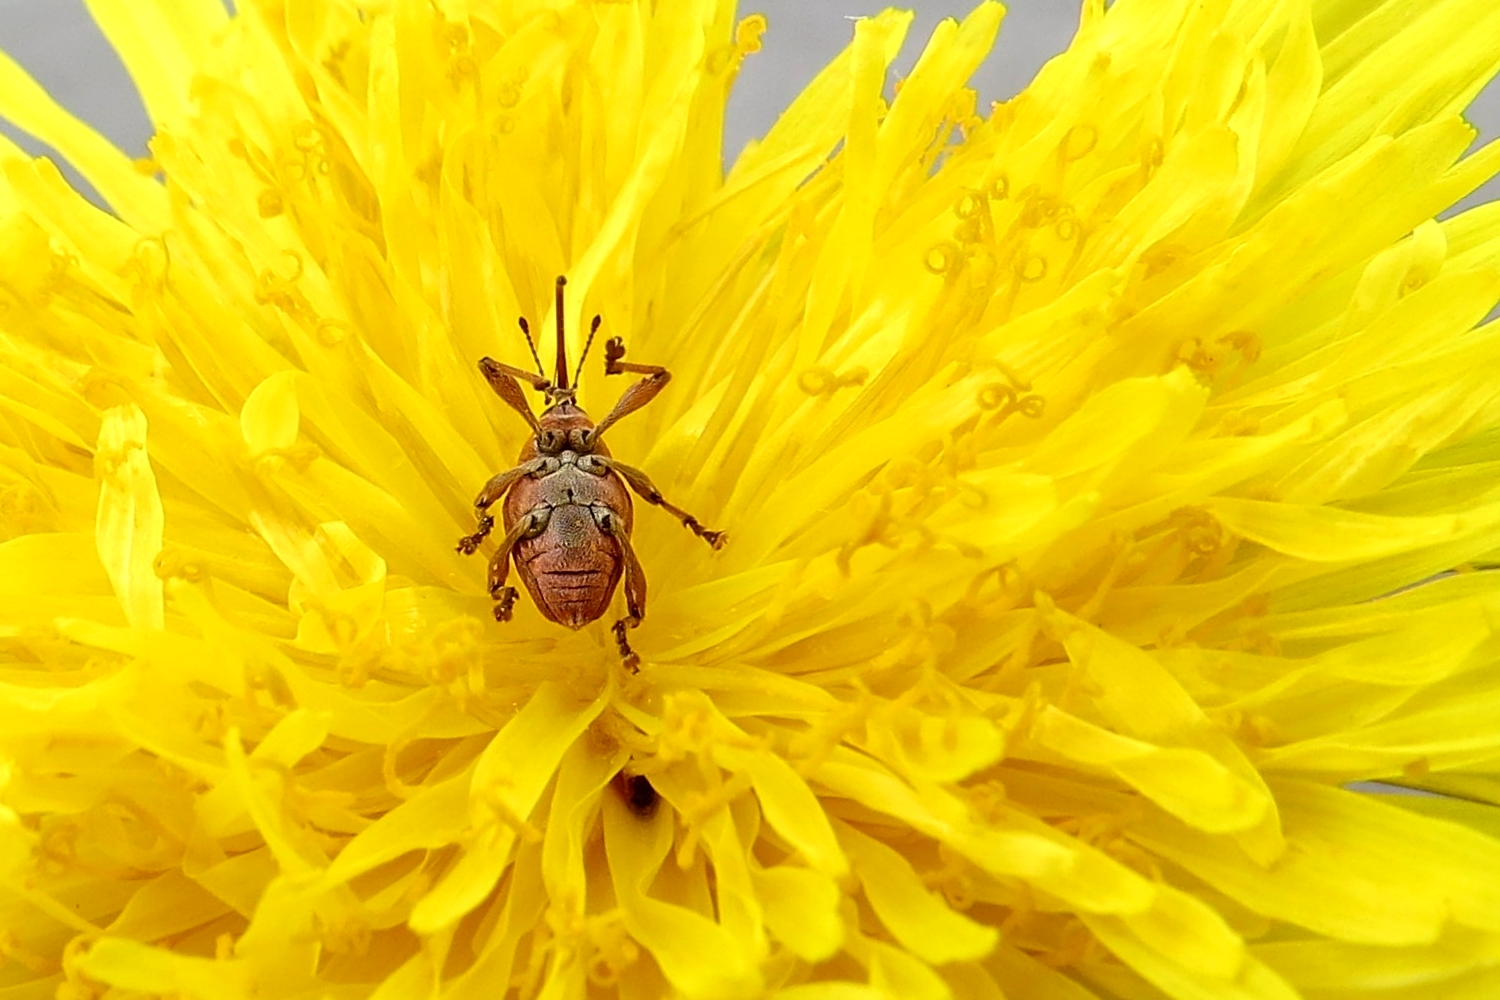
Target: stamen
820,381
943,258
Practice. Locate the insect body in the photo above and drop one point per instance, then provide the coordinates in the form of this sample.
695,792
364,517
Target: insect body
567,513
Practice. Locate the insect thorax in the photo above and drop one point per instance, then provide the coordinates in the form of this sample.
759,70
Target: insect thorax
564,427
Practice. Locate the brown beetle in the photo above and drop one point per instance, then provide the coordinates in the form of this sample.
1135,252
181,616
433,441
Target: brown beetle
567,513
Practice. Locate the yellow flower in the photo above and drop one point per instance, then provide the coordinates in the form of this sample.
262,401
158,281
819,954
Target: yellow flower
1088,466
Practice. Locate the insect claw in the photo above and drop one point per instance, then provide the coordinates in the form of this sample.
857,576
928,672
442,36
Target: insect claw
505,599
614,350
627,655
469,544
715,539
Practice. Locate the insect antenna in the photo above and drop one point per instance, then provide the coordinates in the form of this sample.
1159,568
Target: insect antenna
562,343
526,329
593,329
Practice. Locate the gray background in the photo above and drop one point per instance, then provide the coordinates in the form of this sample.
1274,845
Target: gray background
58,43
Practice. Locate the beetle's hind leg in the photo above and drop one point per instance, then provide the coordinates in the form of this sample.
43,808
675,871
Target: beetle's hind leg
533,523
635,585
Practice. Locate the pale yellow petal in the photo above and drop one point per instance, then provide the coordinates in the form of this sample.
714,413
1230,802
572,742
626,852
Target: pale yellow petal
130,522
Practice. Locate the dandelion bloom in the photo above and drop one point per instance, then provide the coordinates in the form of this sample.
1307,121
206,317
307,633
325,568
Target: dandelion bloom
1093,469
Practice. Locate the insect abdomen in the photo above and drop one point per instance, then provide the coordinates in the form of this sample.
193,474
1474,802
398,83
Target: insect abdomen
571,568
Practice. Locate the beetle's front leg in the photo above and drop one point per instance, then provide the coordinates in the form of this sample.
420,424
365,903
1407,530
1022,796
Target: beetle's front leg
493,491
531,524
635,586
637,395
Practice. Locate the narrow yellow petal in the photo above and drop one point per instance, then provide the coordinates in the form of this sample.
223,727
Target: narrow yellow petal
1337,967
1326,534
130,965
1252,981
1358,104
581,776
130,522
508,780
697,955
161,43
789,807
1019,974
897,973
801,910
1336,877
139,199
1188,783
1293,83
923,924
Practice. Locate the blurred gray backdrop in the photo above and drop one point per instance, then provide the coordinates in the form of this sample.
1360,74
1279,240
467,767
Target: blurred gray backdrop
58,43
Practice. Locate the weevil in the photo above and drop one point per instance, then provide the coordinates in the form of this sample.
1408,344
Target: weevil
567,513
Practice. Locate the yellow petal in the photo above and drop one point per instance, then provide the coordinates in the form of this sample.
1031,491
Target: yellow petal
1324,534
801,909
130,522
132,966
1189,784
698,957
140,200
160,44
1339,876
1251,980
508,780
920,921
790,807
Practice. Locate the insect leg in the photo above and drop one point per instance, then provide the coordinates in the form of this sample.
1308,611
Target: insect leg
636,396
635,585
502,378
614,350
648,492
533,523
493,491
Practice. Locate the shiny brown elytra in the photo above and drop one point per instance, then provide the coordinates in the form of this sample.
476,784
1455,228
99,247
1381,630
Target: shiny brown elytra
567,512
